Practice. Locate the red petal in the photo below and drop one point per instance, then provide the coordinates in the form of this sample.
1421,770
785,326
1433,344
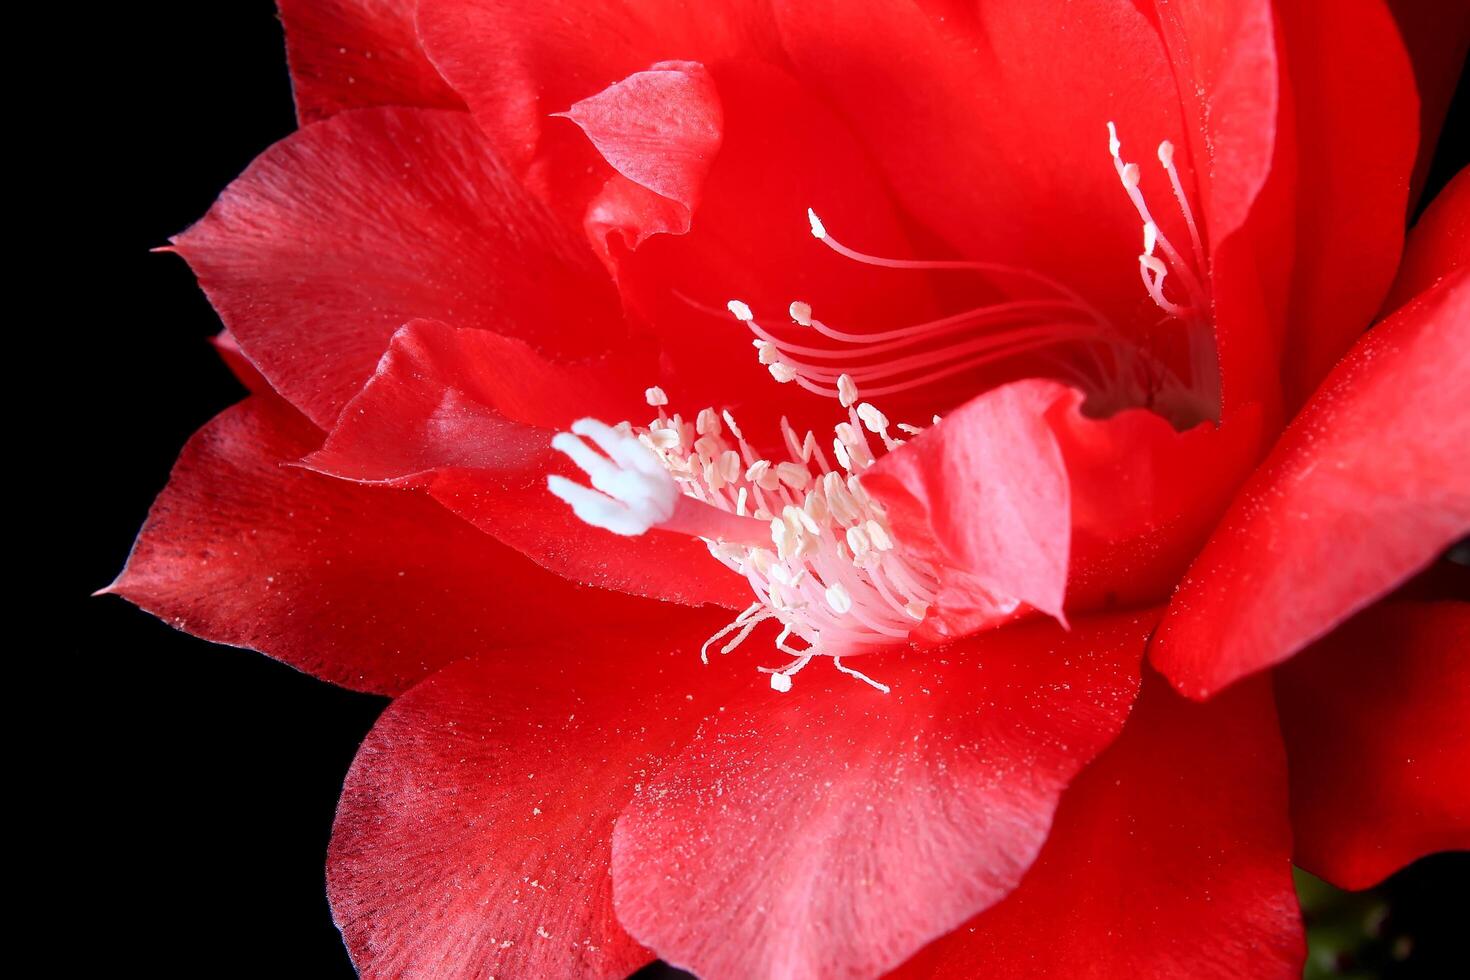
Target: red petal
341,233
1356,119
1438,245
229,351
1170,859
784,149
1029,498
833,830
351,54
1377,725
1437,37
1367,486
659,129
989,122
985,493
472,836
368,588
470,416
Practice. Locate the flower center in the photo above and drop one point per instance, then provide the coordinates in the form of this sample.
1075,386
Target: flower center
817,551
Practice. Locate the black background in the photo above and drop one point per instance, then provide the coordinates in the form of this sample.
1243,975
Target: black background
207,799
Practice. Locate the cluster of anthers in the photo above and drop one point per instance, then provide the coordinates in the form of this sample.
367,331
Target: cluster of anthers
816,549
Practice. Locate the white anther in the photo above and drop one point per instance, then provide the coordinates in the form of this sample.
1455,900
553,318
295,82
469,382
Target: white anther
766,352
783,372
879,536
1166,153
857,541
1114,146
839,600
1131,175
707,423
873,420
802,313
741,311
847,391
655,396
819,231
1150,237
780,682
730,421
794,475
912,430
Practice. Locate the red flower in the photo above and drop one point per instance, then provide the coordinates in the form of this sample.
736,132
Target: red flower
501,218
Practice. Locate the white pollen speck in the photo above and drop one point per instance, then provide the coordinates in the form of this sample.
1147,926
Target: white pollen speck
535,811
847,392
819,231
741,311
802,313
780,682
655,396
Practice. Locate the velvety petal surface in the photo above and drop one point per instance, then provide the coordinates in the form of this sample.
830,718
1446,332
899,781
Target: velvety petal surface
472,838
1366,487
344,231
1170,858
371,588
351,54
1377,724
833,830
469,415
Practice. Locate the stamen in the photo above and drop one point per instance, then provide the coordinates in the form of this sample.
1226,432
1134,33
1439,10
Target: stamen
815,548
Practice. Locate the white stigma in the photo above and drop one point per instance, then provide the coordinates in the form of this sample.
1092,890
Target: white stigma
633,492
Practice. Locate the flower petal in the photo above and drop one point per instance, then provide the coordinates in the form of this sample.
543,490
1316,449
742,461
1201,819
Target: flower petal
659,129
985,493
351,54
1368,484
1356,116
1437,38
1025,496
1170,858
1438,244
342,232
366,587
472,838
833,830
470,415
1378,733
